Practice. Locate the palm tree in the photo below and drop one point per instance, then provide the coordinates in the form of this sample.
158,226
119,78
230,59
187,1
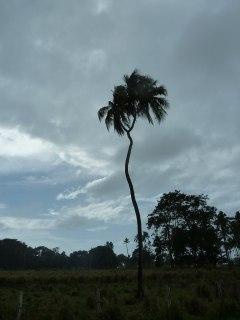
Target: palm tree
126,241
139,97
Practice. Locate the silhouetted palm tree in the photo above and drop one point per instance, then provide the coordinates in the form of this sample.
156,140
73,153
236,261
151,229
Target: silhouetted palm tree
126,241
139,96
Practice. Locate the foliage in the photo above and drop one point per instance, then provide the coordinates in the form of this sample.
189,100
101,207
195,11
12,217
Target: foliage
137,97
17,255
103,257
187,231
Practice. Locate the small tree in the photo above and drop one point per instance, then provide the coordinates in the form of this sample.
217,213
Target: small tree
136,98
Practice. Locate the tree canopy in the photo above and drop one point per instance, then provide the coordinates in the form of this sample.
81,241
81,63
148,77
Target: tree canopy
188,231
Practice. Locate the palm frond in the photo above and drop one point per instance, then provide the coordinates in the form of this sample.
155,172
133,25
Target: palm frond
139,96
109,119
119,95
102,112
144,112
162,102
132,76
117,124
125,119
158,110
161,90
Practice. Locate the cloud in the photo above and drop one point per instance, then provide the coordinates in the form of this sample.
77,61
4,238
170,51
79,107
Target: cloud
102,6
97,229
16,145
104,211
19,223
12,138
73,194
58,64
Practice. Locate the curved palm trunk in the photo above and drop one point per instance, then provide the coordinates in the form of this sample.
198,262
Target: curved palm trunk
139,223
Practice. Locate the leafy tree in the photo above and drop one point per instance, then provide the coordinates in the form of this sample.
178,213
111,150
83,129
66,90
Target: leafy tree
103,257
223,228
136,98
180,239
148,258
13,254
79,259
184,229
235,230
46,258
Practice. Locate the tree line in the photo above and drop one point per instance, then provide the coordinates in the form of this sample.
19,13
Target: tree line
15,254
183,231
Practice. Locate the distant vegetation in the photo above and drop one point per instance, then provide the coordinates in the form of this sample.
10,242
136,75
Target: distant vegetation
184,231
17,255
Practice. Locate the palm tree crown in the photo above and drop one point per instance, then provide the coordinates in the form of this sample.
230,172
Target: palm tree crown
140,96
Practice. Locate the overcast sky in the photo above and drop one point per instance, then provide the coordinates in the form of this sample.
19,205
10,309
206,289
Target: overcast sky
62,177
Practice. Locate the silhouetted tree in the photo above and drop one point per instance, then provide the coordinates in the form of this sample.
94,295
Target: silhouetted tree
13,254
223,228
235,230
139,96
184,229
102,257
46,257
79,259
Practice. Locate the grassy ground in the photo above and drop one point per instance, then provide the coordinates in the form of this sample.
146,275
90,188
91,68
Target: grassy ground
71,295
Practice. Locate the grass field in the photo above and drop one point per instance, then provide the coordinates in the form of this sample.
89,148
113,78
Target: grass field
169,294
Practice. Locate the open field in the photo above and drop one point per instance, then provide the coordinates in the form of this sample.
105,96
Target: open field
72,295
